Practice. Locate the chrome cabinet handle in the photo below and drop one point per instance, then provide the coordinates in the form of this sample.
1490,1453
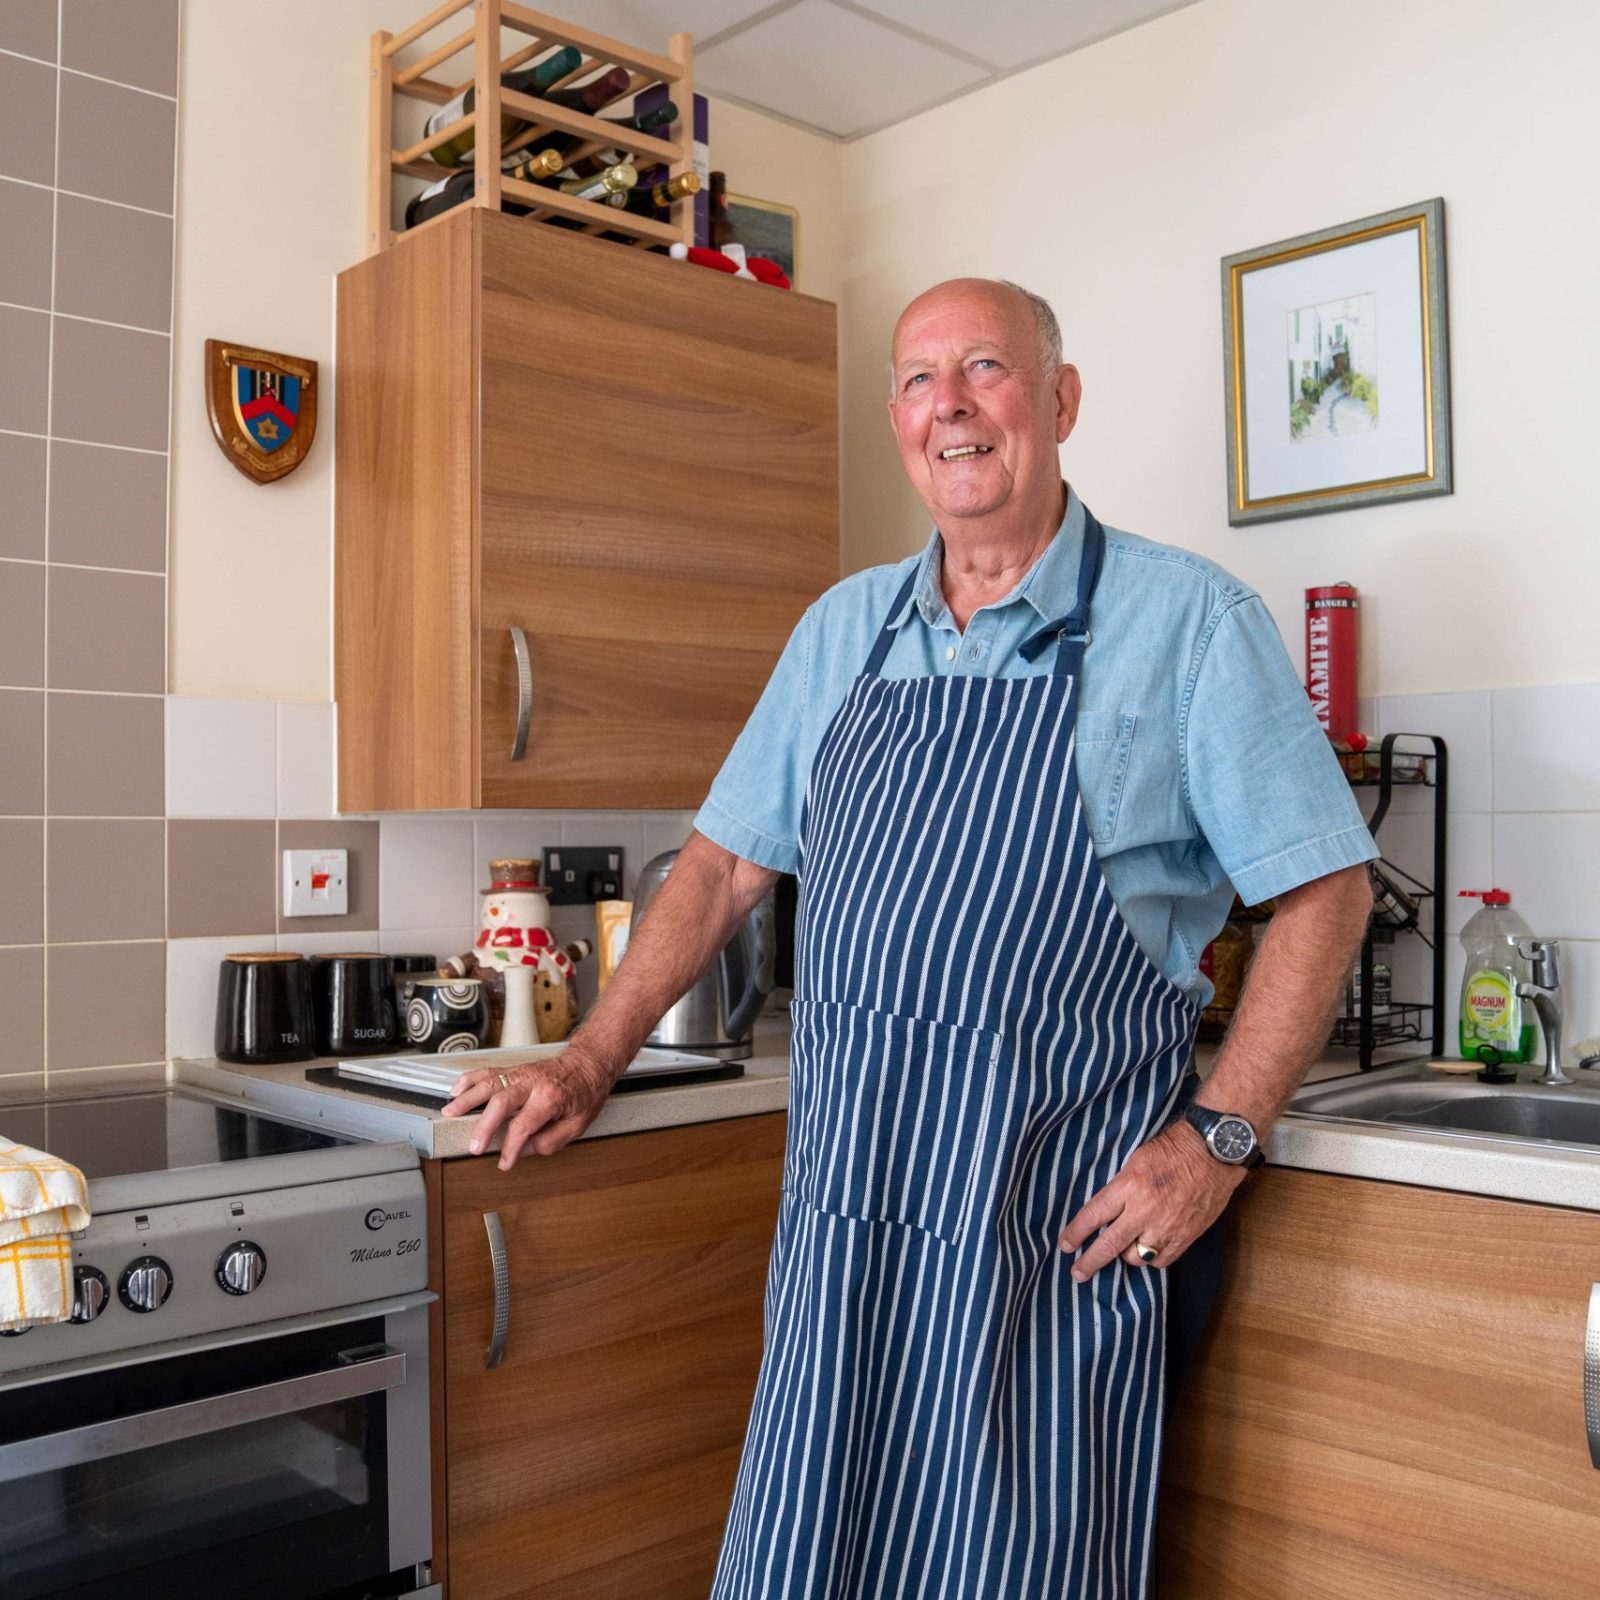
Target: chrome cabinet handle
1591,1376
519,643
502,1288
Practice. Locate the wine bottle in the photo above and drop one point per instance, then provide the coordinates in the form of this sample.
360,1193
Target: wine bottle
460,186
591,96
614,180
647,122
587,166
655,200
535,80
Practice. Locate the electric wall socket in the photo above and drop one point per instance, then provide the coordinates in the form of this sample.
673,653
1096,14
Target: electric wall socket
316,883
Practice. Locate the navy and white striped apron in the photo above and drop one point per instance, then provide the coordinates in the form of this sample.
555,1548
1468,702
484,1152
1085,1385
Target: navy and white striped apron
979,1044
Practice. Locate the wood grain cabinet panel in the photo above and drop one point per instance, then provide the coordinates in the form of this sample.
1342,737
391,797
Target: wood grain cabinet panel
644,480
1389,1403
598,1458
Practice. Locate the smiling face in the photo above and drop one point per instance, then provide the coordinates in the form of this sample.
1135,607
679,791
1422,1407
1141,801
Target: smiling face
975,412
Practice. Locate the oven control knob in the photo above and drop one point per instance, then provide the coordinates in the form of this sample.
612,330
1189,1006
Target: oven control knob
145,1284
90,1293
241,1267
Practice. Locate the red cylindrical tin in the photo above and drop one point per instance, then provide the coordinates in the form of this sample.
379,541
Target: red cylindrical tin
1333,616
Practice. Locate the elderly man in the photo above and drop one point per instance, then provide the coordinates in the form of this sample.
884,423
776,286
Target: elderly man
1020,776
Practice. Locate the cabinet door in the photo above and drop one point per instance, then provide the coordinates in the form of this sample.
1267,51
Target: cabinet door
659,503
1389,1402
598,1458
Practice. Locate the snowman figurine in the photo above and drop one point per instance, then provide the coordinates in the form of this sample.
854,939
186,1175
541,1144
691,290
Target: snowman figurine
514,936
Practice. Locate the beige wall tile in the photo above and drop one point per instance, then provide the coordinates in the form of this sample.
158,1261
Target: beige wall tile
107,880
21,624
106,1004
360,839
220,877
135,44
107,631
25,372
25,244
22,740
108,507
109,385
112,263
116,143
105,755
29,27
21,881
22,1010
22,478
27,120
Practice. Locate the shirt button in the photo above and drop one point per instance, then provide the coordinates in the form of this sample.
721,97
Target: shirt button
950,654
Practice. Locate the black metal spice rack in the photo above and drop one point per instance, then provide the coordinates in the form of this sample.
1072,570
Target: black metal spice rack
1362,1027
1402,1022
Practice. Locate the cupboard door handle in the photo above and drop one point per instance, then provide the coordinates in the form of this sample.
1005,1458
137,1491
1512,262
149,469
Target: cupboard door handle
1591,1376
502,1288
519,643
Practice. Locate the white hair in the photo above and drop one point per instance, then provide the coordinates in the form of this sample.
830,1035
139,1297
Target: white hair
1044,317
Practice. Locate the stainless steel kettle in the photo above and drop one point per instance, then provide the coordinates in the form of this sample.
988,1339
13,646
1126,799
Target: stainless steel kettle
717,1016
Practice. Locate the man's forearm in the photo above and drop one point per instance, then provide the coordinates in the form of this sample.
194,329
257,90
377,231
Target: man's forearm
693,915
1284,1016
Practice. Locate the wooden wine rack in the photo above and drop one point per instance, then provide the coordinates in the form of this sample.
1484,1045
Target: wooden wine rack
545,34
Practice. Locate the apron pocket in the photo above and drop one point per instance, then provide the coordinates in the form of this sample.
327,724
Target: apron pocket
887,1115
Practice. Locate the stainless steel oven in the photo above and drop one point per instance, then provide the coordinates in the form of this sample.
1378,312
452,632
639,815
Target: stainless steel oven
292,1465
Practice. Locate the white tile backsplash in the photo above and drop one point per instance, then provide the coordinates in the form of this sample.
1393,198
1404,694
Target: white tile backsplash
192,968
1547,748
222,758
440,943
1550,862
513,833
1462,721
625,828
305,759
1407,840
356,942
426,873
1580,981
665,830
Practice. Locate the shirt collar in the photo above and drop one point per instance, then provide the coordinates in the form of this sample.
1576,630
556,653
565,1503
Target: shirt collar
1050,585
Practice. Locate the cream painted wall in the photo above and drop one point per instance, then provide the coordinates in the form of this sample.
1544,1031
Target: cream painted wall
1114,180
271,205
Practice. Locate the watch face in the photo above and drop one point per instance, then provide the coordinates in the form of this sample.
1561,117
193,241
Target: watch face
1233,1139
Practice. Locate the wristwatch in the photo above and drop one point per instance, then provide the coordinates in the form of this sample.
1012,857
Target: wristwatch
1228,1137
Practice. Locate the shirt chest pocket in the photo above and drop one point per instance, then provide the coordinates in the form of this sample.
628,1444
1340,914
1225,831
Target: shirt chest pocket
1104,756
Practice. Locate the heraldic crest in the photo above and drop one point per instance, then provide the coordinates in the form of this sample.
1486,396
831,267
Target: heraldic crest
263,408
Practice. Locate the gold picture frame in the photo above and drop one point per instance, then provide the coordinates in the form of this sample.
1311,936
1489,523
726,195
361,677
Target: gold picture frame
1337,368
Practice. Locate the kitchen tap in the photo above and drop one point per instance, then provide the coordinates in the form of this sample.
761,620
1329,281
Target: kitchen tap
1544,958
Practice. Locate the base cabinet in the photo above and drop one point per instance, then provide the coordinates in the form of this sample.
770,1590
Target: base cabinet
598,1458
1389,1403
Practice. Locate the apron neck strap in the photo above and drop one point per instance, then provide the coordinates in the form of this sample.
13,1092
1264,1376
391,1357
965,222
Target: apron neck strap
1071,631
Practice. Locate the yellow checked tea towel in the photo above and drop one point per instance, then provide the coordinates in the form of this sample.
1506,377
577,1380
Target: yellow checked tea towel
42,1201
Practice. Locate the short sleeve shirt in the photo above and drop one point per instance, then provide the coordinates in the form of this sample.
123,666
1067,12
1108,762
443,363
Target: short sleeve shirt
1202,766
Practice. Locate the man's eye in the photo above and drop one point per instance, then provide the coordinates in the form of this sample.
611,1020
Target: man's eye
915,378
985,361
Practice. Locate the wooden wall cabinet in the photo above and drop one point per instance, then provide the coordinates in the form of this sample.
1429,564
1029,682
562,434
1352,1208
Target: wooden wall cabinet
632,460
598,1458
1389,1402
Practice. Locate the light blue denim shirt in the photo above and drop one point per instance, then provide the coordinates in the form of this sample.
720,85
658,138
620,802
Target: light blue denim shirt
1202,766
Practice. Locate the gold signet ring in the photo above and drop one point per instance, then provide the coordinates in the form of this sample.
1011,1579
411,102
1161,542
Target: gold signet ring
1146,1253
505,1083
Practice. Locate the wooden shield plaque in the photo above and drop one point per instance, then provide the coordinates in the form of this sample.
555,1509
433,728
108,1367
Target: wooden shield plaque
263,408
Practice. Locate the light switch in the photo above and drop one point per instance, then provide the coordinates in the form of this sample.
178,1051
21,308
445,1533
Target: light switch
316,883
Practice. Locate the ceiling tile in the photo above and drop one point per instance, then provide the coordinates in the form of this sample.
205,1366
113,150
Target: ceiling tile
833,69
649,24
1012,33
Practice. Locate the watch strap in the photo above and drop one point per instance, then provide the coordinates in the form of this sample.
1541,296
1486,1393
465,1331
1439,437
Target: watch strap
1203,1119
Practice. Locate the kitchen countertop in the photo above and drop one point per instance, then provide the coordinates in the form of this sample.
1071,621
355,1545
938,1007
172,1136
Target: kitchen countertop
283,1087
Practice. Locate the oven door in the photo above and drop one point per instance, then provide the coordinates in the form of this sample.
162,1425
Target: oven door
286,1466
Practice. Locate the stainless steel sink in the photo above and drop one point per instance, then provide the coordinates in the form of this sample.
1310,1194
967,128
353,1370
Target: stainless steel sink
1421,1099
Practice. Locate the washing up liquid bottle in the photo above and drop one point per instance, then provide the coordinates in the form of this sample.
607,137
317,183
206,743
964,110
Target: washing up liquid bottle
1495,1025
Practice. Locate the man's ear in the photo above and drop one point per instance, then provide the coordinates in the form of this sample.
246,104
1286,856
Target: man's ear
1069,395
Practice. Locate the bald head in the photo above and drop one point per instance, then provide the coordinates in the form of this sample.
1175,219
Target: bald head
1027,308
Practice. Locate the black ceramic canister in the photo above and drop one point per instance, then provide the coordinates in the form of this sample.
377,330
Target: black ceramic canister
352,997
264,1008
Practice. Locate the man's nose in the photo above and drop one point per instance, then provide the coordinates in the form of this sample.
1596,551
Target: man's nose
952,398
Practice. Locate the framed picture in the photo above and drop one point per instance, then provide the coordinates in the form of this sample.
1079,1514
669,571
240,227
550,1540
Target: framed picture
1338,368
767,229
